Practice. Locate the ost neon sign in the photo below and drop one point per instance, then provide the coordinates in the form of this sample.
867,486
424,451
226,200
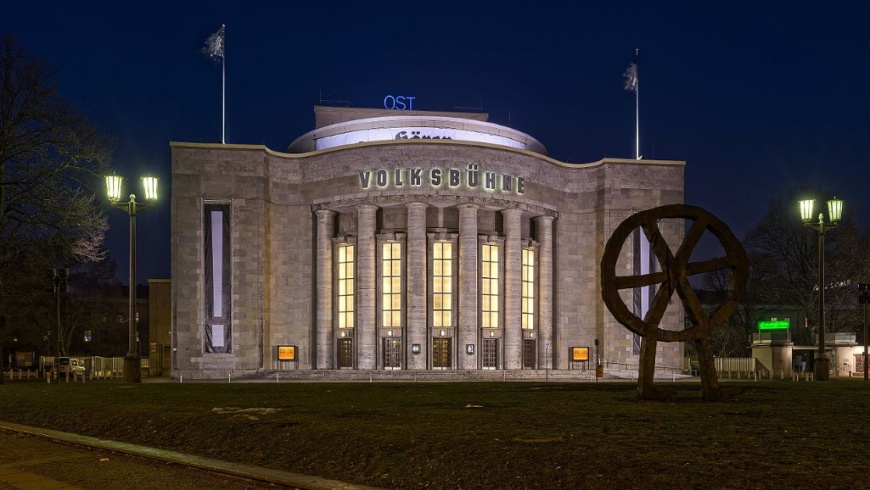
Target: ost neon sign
398,102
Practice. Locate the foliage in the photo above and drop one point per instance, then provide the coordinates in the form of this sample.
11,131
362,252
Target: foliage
480,435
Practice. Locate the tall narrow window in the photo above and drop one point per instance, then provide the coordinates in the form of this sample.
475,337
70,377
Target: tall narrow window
442,284
528,289
345,286
391,293
489,287
217,278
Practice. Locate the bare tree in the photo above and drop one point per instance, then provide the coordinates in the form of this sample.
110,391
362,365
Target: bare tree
784,256
50,156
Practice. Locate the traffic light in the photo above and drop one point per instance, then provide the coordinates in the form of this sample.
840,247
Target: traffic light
62,279
51,275
59,278
863,293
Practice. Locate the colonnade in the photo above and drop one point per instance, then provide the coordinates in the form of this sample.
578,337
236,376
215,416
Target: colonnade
416,330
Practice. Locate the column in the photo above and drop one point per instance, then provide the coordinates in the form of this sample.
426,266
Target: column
325,335
468,275
513,289
416,286
546,346
366,274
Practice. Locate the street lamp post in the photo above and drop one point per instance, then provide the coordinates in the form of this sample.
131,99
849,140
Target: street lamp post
132,370
864,301
821,371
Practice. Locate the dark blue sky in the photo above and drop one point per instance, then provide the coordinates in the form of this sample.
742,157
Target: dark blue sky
757,97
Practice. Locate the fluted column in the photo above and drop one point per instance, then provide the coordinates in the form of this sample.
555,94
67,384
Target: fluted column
544,225
468,302
325,336
416,331
366,333
513,289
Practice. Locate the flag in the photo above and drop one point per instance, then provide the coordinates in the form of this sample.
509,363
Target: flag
214,45
630,81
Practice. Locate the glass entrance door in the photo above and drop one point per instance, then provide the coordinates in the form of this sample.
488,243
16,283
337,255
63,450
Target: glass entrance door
345,353
529,353
441,353
392,353
490,353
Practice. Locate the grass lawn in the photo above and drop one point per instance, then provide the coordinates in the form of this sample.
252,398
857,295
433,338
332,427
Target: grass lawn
779,434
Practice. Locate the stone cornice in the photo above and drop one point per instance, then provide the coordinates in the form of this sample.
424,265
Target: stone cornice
303,156
386,200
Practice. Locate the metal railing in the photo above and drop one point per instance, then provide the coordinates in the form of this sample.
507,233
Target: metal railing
95,367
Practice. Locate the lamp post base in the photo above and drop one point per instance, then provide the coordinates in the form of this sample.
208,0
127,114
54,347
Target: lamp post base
132,369
822,369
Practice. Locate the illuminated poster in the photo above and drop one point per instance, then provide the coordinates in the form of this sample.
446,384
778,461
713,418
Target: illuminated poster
579,353
286,352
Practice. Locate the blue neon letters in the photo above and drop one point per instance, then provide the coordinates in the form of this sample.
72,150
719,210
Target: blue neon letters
398,102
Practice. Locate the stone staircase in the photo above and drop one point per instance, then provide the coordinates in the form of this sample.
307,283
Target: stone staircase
430,376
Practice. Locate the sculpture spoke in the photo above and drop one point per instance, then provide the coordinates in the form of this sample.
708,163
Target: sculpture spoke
630,282
711,265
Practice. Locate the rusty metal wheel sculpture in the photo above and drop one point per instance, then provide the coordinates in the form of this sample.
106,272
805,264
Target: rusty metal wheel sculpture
676,269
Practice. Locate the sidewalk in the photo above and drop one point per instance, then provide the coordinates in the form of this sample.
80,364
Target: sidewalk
277,477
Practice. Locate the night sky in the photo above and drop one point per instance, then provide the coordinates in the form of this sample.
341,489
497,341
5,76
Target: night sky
757,97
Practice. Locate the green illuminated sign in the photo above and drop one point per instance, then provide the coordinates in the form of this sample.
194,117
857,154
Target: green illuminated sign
773,325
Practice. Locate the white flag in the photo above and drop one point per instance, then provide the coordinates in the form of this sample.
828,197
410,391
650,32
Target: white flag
214,45
630,82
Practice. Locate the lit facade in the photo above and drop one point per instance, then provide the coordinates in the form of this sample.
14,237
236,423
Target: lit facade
402,240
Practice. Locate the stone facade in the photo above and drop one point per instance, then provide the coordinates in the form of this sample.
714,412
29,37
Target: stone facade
292,212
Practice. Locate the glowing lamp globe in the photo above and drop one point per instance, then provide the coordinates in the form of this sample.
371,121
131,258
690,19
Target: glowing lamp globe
807,209
835,209
113,187
150,185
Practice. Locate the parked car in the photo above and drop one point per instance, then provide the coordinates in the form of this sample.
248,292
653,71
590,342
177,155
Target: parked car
71,366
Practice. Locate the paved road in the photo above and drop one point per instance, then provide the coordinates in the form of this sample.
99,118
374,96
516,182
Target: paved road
35,458
30,462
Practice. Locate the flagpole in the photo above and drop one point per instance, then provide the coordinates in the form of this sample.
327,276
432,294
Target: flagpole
637,106
215,48
224,86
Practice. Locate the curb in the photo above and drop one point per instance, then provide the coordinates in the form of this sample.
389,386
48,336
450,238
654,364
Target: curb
294,480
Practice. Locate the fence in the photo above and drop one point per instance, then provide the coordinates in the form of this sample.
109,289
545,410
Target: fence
739,365
659,370
732,367
95,368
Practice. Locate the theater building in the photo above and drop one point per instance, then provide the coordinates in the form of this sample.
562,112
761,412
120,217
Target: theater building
403,240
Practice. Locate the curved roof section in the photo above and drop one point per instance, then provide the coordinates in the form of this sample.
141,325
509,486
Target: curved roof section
416,127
